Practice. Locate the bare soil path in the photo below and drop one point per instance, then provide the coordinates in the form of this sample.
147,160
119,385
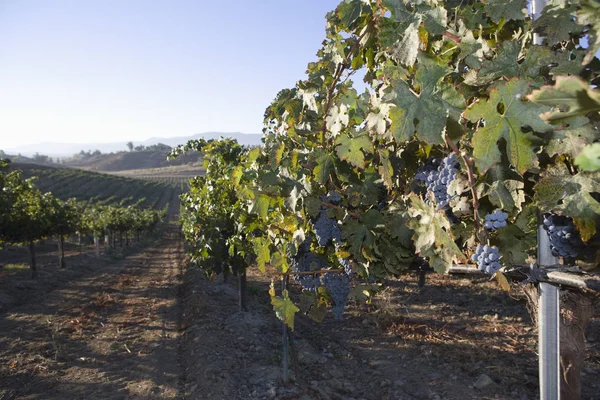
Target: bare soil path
111,334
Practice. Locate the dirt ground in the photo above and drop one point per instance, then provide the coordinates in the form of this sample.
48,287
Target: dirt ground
147,327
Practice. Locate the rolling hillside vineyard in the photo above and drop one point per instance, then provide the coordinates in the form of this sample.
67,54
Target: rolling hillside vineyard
463,137
27,215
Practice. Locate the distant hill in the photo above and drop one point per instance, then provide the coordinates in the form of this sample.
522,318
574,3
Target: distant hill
64,150
126,160
65,183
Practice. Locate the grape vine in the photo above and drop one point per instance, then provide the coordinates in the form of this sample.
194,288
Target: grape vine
454,95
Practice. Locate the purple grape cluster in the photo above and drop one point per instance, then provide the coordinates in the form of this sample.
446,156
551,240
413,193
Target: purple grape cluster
338,286
565,240
487,258
495,220
332,197
306,262
327,229
437,175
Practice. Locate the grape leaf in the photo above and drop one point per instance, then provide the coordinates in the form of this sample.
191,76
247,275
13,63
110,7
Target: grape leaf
505,9
560,191
337,119
589,14
279,261
424,113
432,235
377,121
351,149
505,116
572,136
589,158
405,50
262,251
557,22
571,93
385,168
515,244
357,235
508,64
285,309
348,12
324,164
260,205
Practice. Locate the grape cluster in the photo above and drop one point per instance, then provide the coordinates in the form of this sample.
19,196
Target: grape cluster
326,229
332,197
306,262
338,286
487,258
437,175
495,220
564,238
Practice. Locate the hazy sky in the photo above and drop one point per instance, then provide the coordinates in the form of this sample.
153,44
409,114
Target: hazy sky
114,70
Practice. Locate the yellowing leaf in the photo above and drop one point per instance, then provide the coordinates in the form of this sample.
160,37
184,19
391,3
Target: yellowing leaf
351,149
284,309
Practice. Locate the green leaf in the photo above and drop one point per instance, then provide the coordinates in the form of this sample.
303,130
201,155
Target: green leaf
353,149
505,9
508,63
505,116
515,244
279,261
560,191
570,93
589,158
385,168
260,205
557,22
285,309
262,251
312,205
424,113
348,12
324,164
432,235
276,155
357,235
589,14
571,136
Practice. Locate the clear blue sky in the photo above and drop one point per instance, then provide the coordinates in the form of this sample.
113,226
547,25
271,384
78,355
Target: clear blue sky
114,70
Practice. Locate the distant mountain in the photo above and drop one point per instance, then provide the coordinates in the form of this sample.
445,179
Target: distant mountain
69,149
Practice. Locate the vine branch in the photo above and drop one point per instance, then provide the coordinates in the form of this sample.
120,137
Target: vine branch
470,176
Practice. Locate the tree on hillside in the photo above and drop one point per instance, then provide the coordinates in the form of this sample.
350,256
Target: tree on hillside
130,146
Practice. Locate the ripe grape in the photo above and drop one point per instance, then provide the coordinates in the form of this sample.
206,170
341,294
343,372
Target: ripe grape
487,258
326,229
332,197
306,262
437,175
495,220
565,240
338,286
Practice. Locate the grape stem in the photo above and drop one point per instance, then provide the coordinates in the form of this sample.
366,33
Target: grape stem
351,213
470,177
